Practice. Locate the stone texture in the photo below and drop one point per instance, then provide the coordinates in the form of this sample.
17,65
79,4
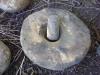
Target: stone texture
5,57
13,5
69,50
98,50
53,27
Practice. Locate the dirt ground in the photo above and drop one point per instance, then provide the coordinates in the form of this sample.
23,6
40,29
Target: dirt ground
10,26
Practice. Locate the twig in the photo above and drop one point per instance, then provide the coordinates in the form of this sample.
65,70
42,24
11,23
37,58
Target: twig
20,68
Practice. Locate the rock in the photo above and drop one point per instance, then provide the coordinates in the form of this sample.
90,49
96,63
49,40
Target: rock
53,27
98,50
69,50
5,57
13,5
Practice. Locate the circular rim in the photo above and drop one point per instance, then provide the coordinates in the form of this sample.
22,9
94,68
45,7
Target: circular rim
41,48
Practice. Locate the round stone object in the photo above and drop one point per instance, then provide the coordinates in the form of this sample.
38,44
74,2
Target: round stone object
13,5
68,50
5,57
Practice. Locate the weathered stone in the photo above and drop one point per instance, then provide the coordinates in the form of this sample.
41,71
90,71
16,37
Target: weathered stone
13,5
98,50
71,47
53,27
5,57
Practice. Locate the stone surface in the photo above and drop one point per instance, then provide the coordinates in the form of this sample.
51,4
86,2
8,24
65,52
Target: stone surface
5,57
53,28
69,50
13,5
98,50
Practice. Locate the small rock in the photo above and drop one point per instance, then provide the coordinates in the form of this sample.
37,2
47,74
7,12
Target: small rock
5,57
98,50
13,5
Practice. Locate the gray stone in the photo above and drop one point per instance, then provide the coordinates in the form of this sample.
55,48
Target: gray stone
5,57
53,27
13,5
98,50
69,50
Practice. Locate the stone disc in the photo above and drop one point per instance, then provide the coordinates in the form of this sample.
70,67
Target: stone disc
5,57
13,5
70,49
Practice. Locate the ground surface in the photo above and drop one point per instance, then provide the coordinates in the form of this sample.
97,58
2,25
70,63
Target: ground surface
10,26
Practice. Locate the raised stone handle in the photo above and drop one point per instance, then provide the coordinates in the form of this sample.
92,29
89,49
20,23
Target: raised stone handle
53,28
